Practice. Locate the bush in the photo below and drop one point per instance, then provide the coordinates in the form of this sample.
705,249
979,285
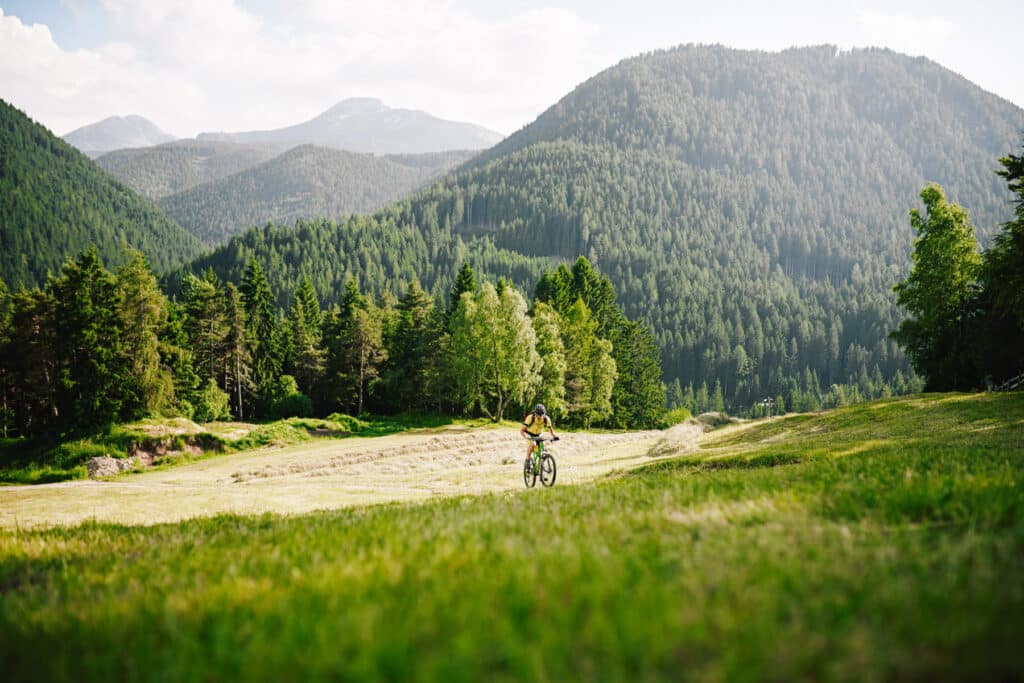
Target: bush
676,415
348,423
292,405
211,404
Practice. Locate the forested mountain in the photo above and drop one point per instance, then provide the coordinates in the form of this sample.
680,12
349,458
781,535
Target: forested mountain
752,207
304,182
163,170
368,125
116,132
55,202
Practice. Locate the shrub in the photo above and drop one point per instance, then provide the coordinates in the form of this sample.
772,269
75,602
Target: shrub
211,404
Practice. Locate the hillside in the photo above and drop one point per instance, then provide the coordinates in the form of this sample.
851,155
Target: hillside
368,125
304,182
163,170
878,542
116,132
751,206
54,203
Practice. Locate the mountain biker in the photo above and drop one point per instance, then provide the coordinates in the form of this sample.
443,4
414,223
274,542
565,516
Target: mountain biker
533,427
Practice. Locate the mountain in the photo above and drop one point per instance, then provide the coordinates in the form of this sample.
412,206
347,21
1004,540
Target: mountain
752,207
305,182
368,125
54,203
172,167
116,132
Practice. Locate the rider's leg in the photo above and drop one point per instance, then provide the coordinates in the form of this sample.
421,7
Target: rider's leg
529,449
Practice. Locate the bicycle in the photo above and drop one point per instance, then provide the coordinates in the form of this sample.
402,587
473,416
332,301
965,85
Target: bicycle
542,463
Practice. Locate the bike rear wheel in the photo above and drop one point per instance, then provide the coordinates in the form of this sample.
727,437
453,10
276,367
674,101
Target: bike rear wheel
529,473
548,470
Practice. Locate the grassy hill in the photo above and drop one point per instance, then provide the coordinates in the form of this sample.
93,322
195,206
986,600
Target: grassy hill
877,542
751,207
54,203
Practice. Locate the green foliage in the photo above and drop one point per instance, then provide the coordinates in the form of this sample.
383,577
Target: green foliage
54,203
547,327
677,416
494,351
1003,283
887,534
287,401
211,404
939,295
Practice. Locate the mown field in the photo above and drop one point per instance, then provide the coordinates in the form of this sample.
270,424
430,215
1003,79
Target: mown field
879,542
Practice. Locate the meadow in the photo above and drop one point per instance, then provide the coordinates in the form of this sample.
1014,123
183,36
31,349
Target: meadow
877,542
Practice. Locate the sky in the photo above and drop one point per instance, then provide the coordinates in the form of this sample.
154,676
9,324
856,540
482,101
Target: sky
230,65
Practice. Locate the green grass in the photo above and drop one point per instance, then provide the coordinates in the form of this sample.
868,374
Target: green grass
879,542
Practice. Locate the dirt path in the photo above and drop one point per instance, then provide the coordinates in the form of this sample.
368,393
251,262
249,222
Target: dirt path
332,474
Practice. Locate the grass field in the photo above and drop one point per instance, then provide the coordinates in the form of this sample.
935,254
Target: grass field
883,541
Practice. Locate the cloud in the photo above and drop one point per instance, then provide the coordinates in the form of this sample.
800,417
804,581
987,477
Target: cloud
193,65
912,35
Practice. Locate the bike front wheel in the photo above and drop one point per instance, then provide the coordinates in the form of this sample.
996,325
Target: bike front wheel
529,473
548,471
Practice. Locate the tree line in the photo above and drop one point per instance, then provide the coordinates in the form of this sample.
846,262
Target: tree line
966,324
93,347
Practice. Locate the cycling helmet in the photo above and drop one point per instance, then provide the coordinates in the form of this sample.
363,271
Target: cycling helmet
539,409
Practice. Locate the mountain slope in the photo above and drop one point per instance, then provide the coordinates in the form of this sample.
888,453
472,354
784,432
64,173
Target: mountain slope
368,125
54,203
116,132
172,167
305,182
751,206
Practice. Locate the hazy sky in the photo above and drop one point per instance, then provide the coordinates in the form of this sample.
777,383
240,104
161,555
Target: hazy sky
204,65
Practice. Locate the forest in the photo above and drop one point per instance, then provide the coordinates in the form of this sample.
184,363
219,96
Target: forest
750,208
93,348
54,202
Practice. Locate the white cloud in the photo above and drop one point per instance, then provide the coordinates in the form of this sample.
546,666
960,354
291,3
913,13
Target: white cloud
193,65
912,35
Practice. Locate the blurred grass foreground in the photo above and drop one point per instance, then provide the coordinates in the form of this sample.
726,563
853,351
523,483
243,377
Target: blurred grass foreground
878,542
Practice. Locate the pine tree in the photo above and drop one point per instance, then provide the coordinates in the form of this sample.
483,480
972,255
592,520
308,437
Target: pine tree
238,366
202,301
465,281
263,331
88,339
143,314
305,350
412,344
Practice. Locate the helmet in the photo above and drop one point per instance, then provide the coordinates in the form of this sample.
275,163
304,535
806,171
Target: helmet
539,409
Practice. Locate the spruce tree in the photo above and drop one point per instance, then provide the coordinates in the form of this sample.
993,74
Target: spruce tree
143,313
412,344
263,331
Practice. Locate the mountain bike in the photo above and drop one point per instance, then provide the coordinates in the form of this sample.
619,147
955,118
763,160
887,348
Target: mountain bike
542,463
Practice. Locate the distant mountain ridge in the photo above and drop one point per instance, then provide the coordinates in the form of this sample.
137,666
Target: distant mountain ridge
117,132
368,125
304,182
163,170
55,202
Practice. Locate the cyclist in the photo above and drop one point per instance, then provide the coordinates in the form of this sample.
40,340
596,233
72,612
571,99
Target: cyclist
534,425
